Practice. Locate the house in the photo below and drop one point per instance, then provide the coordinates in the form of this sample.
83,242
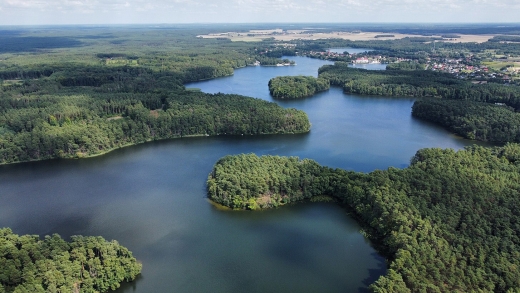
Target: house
362,60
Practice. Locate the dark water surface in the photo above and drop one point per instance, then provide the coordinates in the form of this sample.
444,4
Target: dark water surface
151,197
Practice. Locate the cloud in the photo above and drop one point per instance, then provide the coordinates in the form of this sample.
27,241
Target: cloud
64,4
146,7
253,5
259,5
147,11
24,4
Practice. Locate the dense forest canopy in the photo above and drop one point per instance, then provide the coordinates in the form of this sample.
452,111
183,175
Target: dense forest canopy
29,264
447,223
67,124
472,120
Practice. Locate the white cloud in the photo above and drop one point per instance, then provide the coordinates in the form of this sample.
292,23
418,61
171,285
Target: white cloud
146,7
24,4
146,11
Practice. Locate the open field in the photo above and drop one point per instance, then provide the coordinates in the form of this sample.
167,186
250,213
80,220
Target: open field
497,65
253,36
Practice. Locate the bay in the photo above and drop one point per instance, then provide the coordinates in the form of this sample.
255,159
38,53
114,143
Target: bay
152,197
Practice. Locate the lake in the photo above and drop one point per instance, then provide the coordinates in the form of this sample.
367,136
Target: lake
152,197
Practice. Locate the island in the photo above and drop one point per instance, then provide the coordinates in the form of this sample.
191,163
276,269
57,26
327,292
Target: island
296,87
446,223
85,264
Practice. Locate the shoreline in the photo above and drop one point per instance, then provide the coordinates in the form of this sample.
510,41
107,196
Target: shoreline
138,143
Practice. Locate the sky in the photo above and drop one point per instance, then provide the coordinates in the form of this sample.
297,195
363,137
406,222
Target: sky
49,12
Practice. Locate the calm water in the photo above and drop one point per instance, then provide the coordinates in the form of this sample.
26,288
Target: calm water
151,197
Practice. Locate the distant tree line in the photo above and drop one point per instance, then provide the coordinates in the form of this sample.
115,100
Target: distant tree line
450,36
16,43
505,39
281,52
405,66
410,47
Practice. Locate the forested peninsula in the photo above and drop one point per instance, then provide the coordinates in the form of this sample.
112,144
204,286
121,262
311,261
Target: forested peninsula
69,124
496,123
296,87
29,264
447,223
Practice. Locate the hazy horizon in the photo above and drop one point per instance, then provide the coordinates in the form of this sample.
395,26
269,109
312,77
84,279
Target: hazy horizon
122,12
